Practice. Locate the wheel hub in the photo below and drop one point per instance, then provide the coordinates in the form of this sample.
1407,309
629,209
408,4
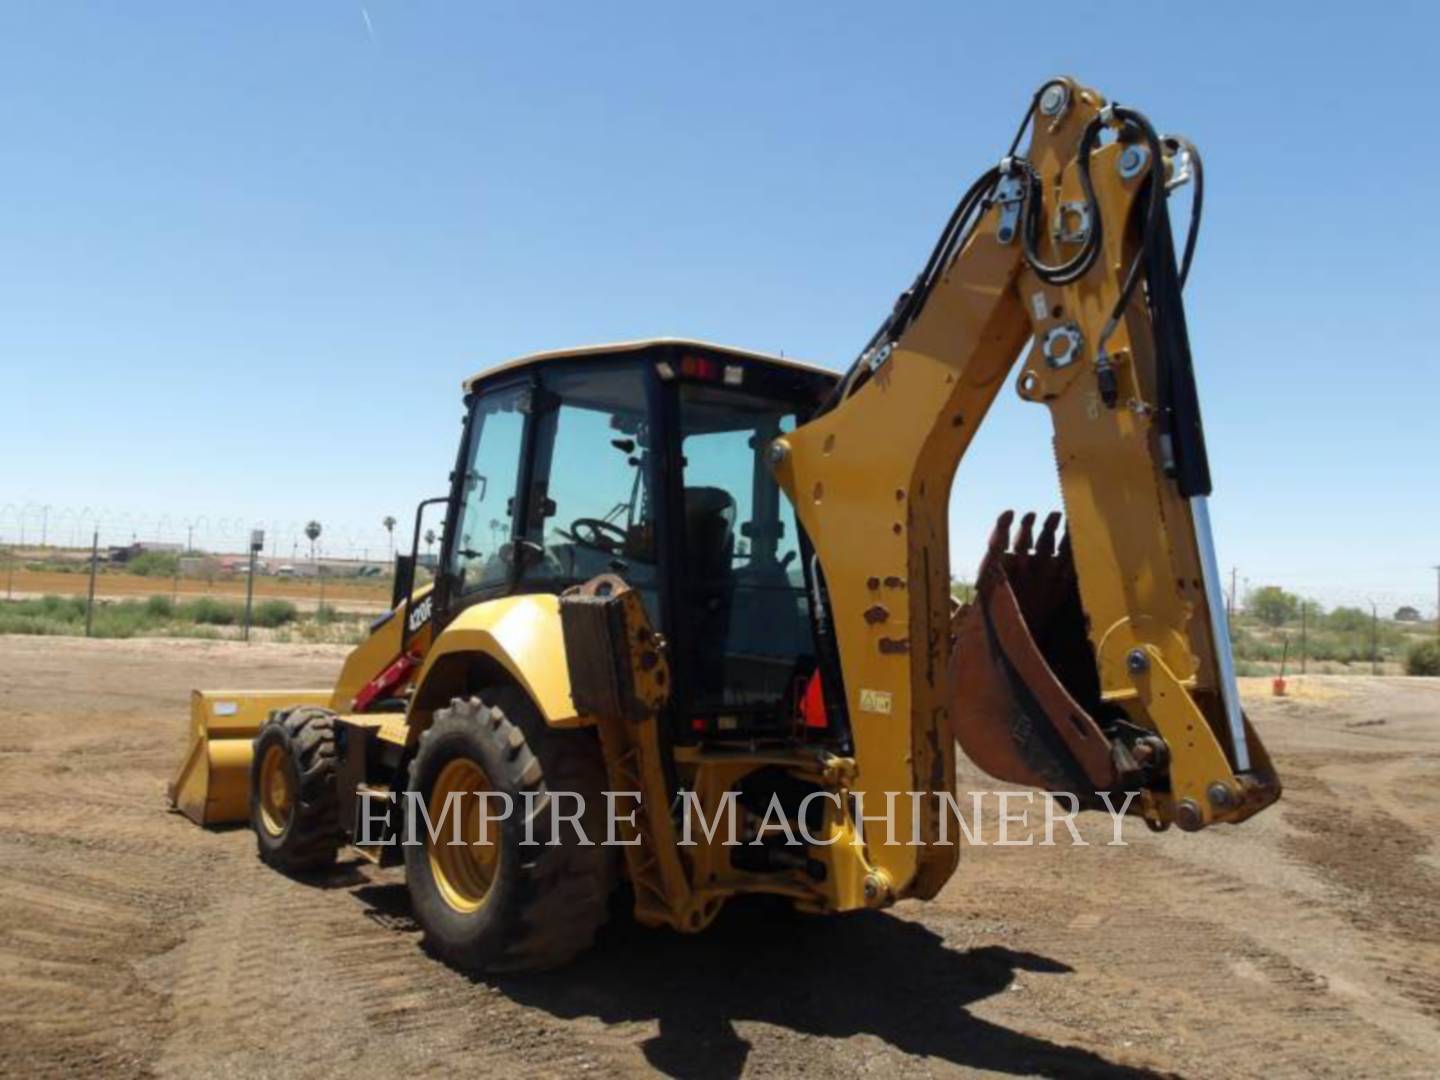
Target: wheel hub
276,790
463,871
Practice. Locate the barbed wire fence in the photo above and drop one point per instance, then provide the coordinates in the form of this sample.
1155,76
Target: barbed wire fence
54,525
50,525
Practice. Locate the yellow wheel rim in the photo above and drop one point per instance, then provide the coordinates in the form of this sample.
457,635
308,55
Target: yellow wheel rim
463,872
277,791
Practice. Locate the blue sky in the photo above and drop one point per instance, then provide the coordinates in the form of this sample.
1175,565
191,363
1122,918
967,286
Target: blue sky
248,251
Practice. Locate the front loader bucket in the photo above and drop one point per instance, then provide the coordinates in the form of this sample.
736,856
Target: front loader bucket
212,786
1024,672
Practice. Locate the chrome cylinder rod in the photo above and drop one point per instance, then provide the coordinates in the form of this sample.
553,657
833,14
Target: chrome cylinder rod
1220,630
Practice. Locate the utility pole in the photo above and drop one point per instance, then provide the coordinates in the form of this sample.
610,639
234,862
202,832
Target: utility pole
257,545
1304,619
44,523
94,567
1230,614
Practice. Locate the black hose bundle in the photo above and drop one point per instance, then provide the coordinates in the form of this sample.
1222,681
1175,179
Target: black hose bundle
978,199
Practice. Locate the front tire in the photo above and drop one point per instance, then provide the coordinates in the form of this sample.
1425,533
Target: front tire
502,904
293,802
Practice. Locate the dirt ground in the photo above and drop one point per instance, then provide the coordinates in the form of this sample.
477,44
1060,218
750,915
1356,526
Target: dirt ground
133,943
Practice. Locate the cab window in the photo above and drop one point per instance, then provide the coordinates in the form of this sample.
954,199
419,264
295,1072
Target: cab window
591,508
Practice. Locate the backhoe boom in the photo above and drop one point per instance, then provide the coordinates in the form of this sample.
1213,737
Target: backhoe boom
1093,659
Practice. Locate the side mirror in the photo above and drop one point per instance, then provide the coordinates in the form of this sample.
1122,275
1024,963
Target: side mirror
404,580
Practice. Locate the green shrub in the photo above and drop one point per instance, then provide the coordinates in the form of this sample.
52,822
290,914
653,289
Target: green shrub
123,620
326,614
47,615
160,607
210,612
65,608
1423,659
272,613
154,564
1348,620
21,622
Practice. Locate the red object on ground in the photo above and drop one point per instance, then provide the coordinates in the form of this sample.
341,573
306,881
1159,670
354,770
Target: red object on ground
1278,686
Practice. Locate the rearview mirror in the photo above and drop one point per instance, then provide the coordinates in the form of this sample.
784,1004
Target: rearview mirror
404,580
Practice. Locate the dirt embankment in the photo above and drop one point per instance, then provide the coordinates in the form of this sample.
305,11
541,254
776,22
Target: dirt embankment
1306,942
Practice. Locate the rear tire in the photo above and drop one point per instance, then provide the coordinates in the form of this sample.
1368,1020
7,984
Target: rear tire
293,802
541,904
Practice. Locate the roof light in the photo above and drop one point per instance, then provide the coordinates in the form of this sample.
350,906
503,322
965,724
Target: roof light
700,367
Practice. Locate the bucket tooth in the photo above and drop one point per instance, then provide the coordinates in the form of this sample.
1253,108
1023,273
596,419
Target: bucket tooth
1045,546
1025,540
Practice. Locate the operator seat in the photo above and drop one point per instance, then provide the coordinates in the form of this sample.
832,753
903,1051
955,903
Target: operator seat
710,585
709,533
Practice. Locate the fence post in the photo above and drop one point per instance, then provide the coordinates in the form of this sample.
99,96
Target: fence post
1304,619
1374,639
94,566
249,594
257,545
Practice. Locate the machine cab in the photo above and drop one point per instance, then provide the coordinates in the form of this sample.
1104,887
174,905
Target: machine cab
647,460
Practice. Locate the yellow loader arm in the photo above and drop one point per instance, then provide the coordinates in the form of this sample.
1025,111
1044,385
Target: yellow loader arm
1096,662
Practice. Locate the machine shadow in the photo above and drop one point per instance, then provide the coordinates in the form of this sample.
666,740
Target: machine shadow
864,974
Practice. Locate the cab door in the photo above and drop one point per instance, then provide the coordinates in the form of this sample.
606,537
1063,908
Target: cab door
590,504
479,559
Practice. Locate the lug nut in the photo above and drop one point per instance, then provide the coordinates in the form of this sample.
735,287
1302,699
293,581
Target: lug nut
1137,662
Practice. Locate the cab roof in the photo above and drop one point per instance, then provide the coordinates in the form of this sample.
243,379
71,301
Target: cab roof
622,347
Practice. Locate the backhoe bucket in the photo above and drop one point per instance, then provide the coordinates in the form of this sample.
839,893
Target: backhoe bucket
212,786
1024,672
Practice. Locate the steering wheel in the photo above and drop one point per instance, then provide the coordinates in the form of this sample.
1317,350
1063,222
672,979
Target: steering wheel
601,535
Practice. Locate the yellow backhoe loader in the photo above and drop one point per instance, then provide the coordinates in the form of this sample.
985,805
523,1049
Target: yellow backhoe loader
696,601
